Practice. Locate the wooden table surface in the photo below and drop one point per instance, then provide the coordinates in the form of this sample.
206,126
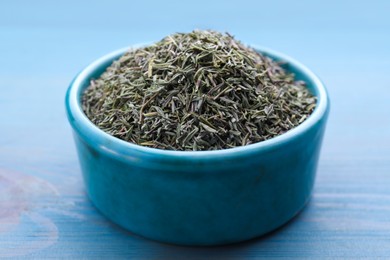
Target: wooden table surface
44,212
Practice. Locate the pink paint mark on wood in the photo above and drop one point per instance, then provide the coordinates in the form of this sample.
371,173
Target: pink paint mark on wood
22,194
12,202
48,235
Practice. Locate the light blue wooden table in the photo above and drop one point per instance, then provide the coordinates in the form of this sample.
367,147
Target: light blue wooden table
44,212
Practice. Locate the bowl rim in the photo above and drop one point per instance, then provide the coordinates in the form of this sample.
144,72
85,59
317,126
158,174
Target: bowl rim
120,148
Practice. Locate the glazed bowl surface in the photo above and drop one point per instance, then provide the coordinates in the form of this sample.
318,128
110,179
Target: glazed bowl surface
201,197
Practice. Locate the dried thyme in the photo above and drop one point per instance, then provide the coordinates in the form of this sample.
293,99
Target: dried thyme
196,91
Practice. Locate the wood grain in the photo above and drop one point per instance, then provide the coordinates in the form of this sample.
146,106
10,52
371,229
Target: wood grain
44,212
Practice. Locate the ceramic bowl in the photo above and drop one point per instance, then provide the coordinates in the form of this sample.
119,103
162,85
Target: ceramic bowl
203,197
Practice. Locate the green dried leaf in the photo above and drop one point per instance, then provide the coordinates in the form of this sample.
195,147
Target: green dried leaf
196,91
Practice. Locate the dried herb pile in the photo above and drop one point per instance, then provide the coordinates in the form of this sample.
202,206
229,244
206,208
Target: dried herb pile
196,91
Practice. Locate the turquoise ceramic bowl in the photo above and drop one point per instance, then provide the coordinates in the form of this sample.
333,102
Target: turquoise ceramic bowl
203,197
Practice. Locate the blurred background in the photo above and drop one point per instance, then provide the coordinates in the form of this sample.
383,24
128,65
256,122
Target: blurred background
44,44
